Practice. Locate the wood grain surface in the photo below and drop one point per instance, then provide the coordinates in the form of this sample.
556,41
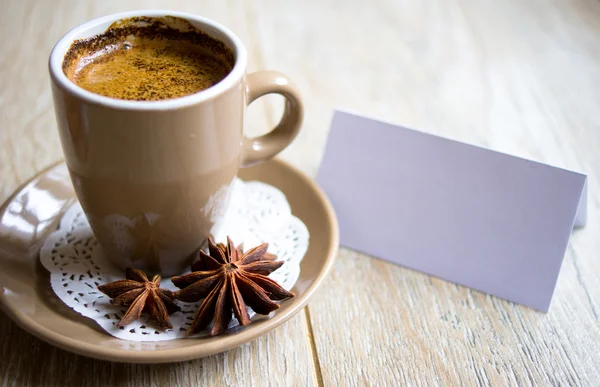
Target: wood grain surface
521,77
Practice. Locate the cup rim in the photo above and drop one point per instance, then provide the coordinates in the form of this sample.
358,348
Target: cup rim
207,26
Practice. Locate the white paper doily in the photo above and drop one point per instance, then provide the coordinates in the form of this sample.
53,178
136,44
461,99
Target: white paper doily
257,213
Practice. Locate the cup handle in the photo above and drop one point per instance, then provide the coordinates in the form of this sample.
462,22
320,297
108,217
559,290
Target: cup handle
258,149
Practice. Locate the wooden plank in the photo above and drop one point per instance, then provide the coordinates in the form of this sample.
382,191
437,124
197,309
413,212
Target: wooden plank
516,76
281,358
29,142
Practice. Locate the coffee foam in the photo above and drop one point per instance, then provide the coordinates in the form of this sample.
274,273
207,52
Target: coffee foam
147,58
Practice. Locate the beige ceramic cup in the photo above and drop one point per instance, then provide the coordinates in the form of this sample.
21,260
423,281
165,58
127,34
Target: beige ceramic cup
154,177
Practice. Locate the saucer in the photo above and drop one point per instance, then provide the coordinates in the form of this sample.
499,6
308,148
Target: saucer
34,211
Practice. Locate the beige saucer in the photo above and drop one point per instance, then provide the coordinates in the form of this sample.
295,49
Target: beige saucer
25,293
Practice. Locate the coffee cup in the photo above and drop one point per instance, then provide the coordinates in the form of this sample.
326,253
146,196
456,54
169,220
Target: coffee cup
154,178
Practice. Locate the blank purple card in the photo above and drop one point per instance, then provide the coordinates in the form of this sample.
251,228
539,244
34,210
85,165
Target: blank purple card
479,218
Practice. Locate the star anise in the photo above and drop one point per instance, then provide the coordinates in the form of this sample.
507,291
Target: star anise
140,294
228,280
201,264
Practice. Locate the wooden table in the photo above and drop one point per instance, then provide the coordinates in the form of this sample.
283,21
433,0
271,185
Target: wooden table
522,77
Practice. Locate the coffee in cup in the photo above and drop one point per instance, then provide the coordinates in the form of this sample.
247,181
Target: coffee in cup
150,109
147,59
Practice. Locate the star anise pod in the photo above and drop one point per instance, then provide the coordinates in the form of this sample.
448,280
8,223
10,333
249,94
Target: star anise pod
139,293
228,280
201,264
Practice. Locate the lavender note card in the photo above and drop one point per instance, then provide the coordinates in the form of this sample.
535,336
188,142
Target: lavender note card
479,218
